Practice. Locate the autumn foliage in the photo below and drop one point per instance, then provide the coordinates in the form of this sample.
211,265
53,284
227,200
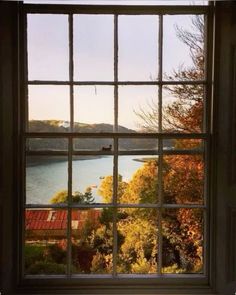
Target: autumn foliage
182,180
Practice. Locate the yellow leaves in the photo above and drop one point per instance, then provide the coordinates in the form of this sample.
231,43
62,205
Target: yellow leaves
137,228
101,263
59,197
144,266
106,188
173,269
140,243
187,143
143,186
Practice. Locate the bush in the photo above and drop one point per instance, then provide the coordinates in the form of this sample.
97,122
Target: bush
82,256
44,267
33,253
56,254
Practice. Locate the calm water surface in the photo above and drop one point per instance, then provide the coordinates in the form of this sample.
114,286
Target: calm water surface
45,179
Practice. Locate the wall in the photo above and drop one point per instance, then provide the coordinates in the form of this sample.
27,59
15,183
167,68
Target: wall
224,141
8,97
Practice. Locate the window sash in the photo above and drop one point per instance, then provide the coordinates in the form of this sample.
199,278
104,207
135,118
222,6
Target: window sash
205,135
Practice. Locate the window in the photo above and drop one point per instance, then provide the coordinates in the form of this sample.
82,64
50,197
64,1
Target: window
115,144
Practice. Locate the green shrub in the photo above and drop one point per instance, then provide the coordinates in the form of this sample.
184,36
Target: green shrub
45,267
56,254
33,253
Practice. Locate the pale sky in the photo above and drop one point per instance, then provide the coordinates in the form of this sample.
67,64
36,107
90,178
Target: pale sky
48,59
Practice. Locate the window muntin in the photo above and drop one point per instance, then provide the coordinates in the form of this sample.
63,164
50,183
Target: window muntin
118,207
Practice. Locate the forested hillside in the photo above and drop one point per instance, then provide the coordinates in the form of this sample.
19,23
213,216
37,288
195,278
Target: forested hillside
87,143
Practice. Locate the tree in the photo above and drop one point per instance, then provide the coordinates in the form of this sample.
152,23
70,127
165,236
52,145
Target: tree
182,184
77,197
143,187
59,197
138,251
106,188
83,198
182,175
186,113
183,179
137,228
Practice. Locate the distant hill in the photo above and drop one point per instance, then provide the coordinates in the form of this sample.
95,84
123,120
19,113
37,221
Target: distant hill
86,143
61,126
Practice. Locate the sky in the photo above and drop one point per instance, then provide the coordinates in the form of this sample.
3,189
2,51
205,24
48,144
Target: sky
48,59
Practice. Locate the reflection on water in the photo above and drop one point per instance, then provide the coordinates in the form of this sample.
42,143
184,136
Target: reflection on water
45,176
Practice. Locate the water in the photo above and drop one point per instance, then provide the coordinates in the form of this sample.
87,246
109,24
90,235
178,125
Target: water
45,178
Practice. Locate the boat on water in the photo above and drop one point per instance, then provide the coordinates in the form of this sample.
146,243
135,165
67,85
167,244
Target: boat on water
93,186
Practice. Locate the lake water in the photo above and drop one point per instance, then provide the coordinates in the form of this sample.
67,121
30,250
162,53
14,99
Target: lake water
45,178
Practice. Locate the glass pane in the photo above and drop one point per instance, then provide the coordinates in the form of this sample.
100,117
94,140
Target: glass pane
48,47
49,108
183,144
183,47
47,144
46,179
93,144
137,241
138,179
138,144
92,241
138,108
94,109
92,179
138,48
183,179
182,250
93,47
183,108
45,241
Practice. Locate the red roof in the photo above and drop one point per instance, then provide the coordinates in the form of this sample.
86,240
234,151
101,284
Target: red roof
45,219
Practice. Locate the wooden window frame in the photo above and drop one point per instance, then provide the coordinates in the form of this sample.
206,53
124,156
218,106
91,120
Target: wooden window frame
129,283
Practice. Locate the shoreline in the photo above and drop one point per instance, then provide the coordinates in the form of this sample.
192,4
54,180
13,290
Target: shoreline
42,160
34,161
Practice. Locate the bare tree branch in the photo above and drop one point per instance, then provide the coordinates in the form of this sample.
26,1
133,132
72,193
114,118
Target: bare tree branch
185,113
